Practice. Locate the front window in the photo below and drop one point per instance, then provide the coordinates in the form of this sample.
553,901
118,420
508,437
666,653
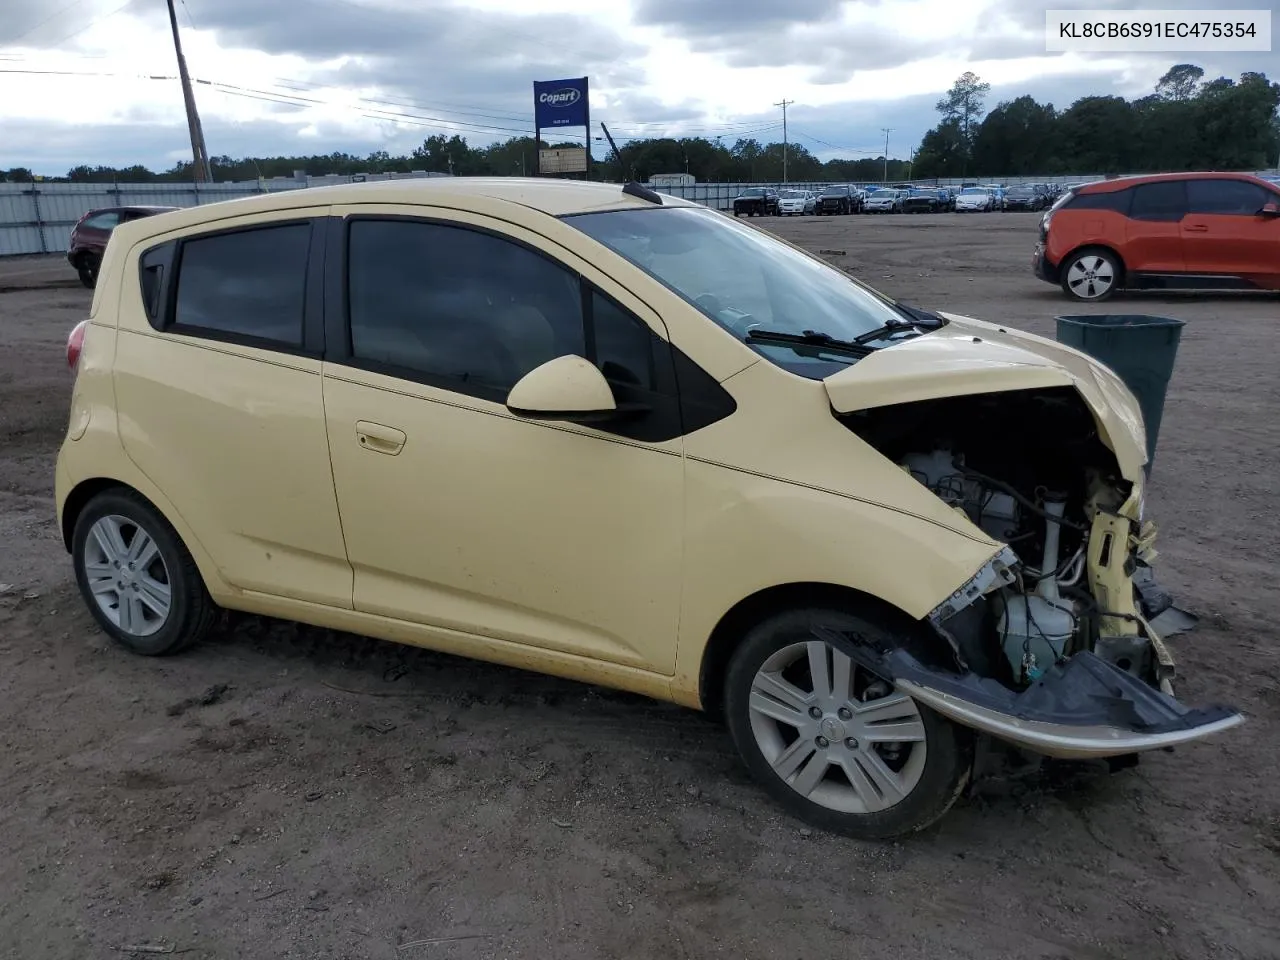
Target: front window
753,192
973,192
742,279
792,195
884,194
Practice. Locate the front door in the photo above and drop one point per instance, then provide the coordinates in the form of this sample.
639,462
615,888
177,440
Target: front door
459,514
1224,233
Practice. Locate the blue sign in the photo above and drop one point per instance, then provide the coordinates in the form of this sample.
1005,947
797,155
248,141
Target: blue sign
560,103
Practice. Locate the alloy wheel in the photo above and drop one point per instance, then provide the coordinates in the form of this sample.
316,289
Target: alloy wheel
835,733
1091,277
127,576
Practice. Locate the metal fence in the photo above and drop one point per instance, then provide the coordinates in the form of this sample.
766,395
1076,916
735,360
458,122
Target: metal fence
38,217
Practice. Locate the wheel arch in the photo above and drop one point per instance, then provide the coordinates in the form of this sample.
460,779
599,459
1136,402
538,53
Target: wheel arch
1094,245
733,625
79,496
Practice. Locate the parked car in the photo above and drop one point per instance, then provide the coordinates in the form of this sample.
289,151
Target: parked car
1024,198
884,201
90,234
1177,230
505,405
919,200
974,200
997,195
756,202
838,198
794,203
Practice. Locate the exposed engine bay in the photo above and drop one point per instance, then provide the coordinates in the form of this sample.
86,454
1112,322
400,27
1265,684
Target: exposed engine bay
1030,470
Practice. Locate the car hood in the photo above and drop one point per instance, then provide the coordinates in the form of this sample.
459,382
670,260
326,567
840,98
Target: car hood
970,356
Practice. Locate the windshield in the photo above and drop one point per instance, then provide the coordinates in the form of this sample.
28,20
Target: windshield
792,195
741,278
753,192
884,194
1022,192
836,192
972,191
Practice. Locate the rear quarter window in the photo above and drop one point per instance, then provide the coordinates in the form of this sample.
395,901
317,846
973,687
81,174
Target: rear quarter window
1117,201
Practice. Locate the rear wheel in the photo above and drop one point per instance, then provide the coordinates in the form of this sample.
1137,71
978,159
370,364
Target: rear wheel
1091,275
835,744
136,577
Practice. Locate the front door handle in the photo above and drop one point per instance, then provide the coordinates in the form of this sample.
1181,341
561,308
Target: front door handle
1196,228
379,438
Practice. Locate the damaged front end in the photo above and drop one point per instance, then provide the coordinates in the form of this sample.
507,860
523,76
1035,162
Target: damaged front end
1051,643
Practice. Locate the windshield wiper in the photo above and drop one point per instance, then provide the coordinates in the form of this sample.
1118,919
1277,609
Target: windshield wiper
809,338
918,318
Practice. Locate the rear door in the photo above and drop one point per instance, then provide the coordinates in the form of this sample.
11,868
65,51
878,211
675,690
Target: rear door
1224,232
217,380
1153,233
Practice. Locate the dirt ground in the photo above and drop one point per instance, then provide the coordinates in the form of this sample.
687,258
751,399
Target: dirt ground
283,792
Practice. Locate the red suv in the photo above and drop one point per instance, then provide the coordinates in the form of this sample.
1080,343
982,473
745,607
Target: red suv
1214,231
92,231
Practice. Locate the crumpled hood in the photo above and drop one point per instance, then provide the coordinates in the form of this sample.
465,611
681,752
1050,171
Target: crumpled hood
970,356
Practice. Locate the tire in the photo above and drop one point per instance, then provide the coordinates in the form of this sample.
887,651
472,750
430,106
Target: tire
930,772
104,539
87,268
1083,274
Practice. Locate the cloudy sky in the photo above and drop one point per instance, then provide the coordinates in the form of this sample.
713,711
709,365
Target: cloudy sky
313,76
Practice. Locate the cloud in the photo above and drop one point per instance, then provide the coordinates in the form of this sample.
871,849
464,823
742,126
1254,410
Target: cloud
732,18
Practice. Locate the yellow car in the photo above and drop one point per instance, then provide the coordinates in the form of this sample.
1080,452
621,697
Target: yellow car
597,432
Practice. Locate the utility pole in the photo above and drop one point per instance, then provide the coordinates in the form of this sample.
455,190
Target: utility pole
784,104
199,155
886,131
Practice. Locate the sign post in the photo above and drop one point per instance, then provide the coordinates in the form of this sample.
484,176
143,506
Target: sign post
561,103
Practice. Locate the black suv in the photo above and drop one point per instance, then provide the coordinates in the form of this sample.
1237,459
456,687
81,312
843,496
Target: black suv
756,202
1023,198
837,199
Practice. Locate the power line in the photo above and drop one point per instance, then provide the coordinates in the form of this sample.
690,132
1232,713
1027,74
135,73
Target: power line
94,21
57,13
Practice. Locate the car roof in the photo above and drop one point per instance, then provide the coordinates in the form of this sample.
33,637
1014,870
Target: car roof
553,197
1120,183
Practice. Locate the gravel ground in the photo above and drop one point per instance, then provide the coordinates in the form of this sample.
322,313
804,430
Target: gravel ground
287,792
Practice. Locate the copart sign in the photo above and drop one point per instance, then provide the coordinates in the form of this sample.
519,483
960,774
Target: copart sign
560,103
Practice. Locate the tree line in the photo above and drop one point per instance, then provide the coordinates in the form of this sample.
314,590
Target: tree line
1186,123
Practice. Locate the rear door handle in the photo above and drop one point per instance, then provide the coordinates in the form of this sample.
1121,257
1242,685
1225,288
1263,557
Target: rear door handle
1196,228
379,438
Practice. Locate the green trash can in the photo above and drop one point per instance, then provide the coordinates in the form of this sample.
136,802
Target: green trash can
1140,349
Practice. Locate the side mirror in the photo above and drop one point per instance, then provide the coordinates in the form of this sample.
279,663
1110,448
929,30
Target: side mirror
1270,210
566,388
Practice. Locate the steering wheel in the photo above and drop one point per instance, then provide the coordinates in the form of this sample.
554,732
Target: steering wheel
709,303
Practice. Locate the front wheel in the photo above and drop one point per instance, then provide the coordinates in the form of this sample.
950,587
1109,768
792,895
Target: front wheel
1090,275
835,744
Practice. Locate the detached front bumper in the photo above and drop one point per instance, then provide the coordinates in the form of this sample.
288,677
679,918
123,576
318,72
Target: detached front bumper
1083,708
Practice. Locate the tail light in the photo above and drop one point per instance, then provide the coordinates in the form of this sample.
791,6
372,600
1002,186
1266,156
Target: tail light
75,342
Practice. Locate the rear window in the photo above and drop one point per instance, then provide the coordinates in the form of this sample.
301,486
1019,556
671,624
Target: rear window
250,283
1162,200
